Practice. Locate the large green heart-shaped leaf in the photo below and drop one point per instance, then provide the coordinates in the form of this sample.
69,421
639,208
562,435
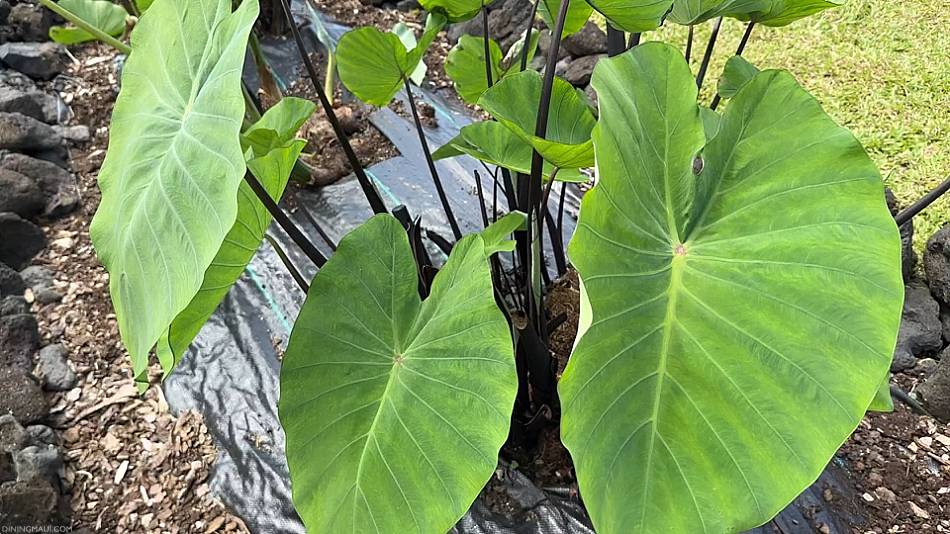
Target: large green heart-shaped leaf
270,162
100,14
170,178
633,15
395,408
514,102
578,13
742,319
493,143
373,64
465,64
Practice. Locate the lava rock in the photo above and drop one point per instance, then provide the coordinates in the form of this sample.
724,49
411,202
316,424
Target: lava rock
937,265
579,70
16,80
506,23
19,132
13,436
53,368
47,295
4,11
32,103
40,61
935,390
34,462
37,277
20,240
42,435
920,332
7,471
13,305
19,339
408,5
908,256
30,504
32,22
74,134
589,41
20,194
945,320
544,44
58,185
11,282
22,397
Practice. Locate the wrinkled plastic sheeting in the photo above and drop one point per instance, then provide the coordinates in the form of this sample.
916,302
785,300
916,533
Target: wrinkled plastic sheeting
231,372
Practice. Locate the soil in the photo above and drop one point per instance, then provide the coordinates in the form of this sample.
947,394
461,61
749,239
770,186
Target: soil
131,466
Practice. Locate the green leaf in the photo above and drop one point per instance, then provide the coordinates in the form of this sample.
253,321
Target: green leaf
408,39
373,63
773,12
271,165
143,5
493,143
170,178
101,14
465,65
514,102
735,75
495,237
882,401
742,320
633,15
395,408
578,13
711,121
454,10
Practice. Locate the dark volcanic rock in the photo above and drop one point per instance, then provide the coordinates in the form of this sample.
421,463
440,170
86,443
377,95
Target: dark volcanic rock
40,61
38,463
13,436
53,368
11,283
32,22
908,256
937,265
13,306
19,339
935,390
30,504
20,194
22,396
579,70
19,132
506,23
32,103
945,320
920,331
591,40
58,185
16,80
20,240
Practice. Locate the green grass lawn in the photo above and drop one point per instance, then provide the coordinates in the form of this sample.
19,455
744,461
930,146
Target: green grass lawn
880,68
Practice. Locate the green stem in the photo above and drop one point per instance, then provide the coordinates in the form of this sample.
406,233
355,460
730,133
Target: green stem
96,32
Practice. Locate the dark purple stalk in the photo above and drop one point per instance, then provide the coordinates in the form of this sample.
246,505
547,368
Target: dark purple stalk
432,170
928,199
313,222
284,221
634,40
485,39
372,195
481,199
294,273
533,197
527,35
704,66
689,44
616,41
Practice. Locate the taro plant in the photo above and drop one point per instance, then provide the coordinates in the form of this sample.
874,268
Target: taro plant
740,272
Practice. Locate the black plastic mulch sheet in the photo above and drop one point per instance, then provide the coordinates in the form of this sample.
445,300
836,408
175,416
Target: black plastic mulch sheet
231,372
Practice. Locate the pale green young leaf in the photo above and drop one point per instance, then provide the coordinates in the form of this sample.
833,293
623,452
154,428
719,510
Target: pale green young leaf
736,340
454,10
170,178
578,13
395,408
735,75
496,236
100,14
271,165
882,401
465,66
514,102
